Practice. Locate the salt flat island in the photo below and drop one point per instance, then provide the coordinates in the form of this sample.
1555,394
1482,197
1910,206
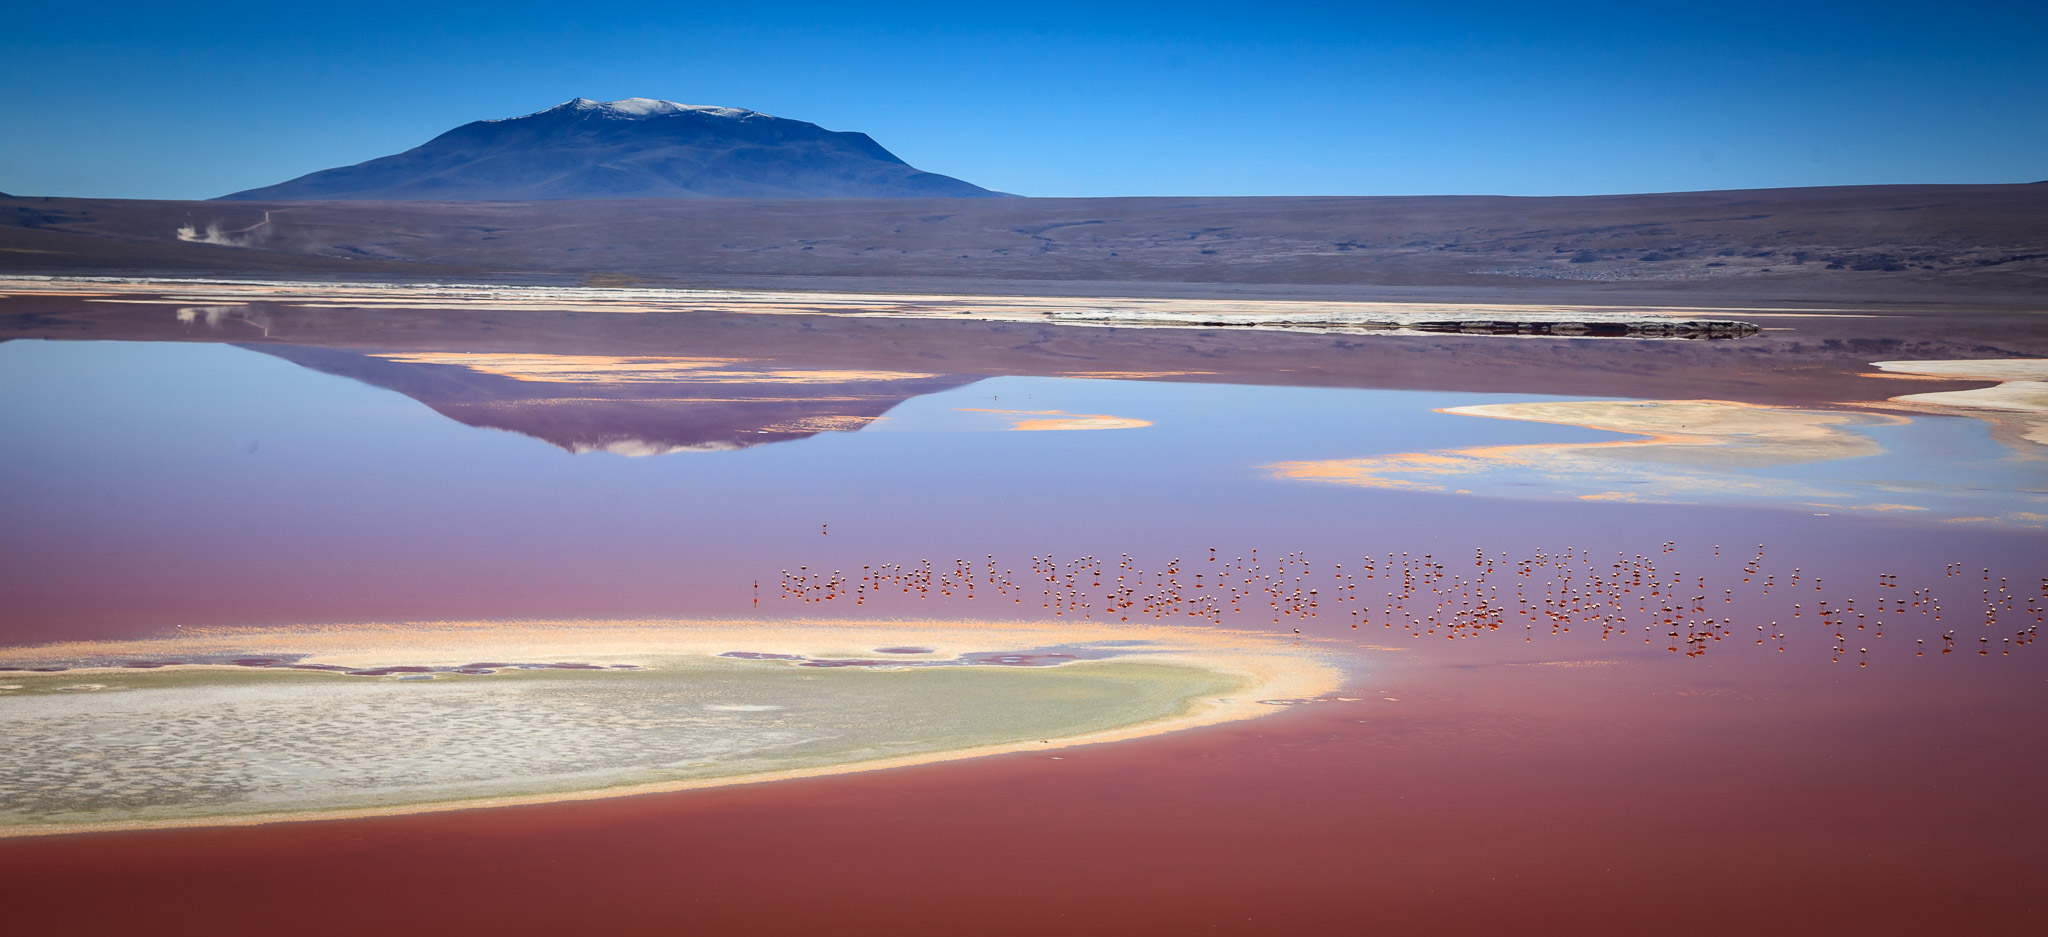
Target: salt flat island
262,725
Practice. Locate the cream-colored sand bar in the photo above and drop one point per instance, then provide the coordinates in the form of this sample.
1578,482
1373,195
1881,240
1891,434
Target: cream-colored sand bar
213,296
1702,432
1709,451
610,370
103,746
1060,420
1676,436
2017,405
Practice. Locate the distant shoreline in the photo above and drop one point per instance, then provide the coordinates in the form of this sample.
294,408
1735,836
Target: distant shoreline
1358,318
1893,247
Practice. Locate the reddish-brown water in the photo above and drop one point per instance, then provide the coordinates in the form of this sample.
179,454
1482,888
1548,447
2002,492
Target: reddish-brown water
1527,799
1510,756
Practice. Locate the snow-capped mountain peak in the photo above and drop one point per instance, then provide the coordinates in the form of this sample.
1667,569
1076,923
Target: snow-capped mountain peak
629,148
631,108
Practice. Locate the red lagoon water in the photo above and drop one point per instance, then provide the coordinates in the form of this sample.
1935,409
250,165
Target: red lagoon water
1513,755
1488,794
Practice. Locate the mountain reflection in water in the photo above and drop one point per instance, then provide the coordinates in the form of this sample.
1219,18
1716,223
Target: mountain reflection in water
1825,718
183,473
634,406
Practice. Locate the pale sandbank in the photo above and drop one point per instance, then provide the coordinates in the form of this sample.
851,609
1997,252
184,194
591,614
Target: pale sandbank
662,707
2016,406
1696,452
1341,317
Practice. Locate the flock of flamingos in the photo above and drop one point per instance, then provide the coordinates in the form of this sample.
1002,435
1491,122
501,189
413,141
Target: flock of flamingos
1475,595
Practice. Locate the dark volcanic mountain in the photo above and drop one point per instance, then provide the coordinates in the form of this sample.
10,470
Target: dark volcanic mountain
635,148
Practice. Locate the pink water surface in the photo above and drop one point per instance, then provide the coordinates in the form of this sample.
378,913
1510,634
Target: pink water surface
1543,774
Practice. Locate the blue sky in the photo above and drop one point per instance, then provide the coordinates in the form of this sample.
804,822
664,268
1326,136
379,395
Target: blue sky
1051,99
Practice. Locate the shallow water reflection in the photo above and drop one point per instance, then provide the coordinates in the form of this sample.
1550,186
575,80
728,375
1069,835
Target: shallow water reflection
1752,616
166,484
